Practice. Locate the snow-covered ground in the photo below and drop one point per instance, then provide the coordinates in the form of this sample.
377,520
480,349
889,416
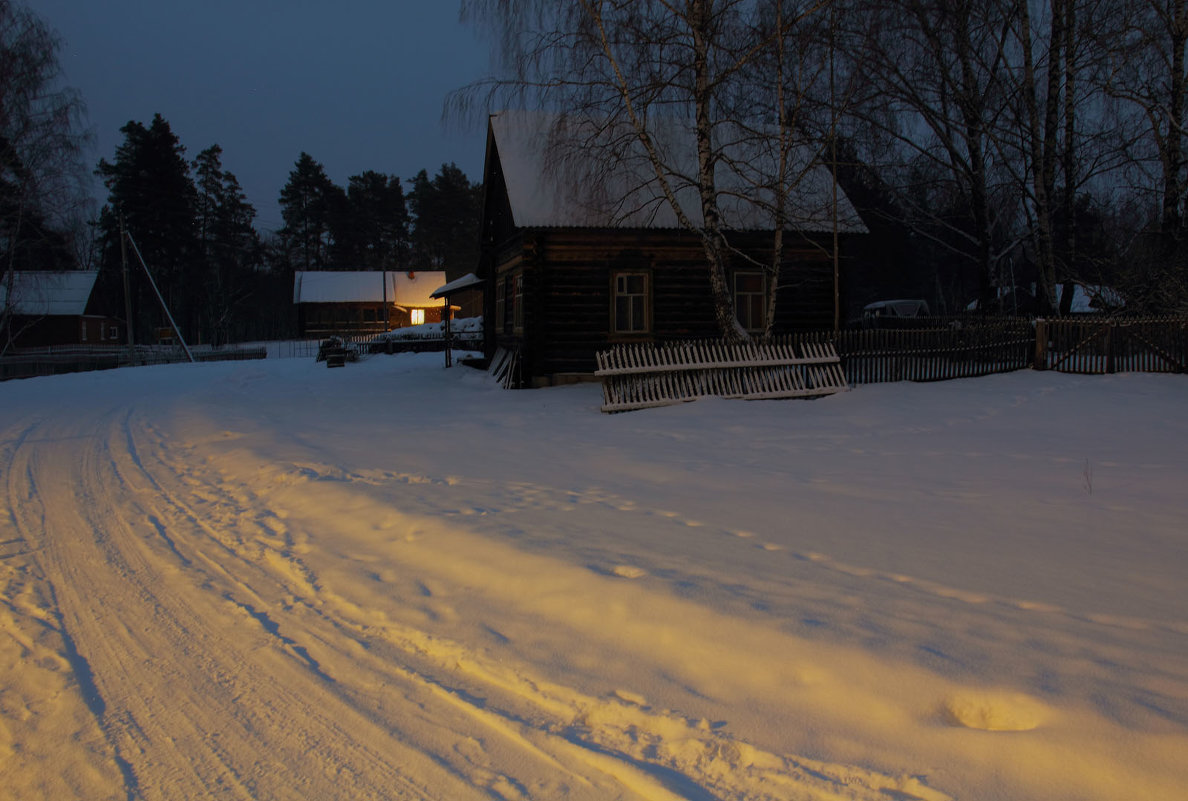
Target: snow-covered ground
271,580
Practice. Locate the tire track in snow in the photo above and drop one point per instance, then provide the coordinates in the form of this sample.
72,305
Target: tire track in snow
892,601
304,597
187,700
649,753
46,683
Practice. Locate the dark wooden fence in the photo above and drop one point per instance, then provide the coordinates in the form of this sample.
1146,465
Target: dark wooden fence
951,348
1149,345
963,347
32,362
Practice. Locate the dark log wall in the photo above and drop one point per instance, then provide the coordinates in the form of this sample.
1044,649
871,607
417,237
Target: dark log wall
568,291
39,332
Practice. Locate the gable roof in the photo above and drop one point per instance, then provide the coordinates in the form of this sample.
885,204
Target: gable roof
46,294
401,288
554,181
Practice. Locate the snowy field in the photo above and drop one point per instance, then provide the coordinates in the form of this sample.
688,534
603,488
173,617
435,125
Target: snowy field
271,580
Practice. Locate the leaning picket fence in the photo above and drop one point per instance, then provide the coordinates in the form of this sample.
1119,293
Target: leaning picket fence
643,375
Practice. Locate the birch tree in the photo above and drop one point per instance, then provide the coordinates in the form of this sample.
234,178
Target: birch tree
933,73
42,179
1148,70
620,65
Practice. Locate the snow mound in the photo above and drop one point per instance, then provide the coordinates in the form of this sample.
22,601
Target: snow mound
995,711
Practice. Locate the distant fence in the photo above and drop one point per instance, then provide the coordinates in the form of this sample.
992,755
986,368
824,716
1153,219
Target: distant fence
467,341
1148,345
957,348
33,362
973,346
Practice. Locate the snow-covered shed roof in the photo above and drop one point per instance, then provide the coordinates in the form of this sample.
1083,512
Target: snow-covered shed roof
41,294
1087,298
412,288
468,281
555,179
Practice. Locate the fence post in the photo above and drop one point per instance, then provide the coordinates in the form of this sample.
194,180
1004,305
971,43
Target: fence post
1041,345
1109,347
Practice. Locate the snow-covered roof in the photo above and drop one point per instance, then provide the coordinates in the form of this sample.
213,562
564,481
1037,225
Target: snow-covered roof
1087,298
468,281
416,288
49,293
1093,298
409,289
554,181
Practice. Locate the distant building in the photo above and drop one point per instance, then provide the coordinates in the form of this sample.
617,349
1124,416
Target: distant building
54,309
360,302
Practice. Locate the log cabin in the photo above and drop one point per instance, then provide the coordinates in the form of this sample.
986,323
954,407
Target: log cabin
362,302
54,309
577,256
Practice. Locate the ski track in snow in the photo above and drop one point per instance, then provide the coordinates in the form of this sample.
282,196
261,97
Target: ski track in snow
176,609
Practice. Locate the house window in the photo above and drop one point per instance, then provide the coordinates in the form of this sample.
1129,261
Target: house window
750,301
631,303
369,315
82,331
416,316
518,301
500,309
114,332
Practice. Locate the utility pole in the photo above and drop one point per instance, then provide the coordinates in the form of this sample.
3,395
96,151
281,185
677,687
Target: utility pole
127,290
161,300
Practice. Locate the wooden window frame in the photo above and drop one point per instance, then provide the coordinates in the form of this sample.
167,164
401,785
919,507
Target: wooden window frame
518,302
500,308
644,299
761,295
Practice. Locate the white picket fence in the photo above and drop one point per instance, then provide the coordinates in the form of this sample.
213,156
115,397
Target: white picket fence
639,376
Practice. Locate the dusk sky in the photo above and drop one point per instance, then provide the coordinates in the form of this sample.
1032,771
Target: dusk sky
357,84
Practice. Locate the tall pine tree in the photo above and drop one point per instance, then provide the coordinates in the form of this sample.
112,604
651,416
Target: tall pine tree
310,205
373,232
447,211
149,184
228,245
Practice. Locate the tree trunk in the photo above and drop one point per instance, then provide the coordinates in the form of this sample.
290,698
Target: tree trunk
1070,164
1173,157
974,129
712,238
1040,147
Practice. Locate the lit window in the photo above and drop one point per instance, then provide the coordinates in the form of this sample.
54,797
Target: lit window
750,301
417,316
631,303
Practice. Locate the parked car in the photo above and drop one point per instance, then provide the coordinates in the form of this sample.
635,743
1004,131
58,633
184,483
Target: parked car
874,313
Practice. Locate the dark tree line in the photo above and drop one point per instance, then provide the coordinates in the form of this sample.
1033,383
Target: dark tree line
221,280
375,224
